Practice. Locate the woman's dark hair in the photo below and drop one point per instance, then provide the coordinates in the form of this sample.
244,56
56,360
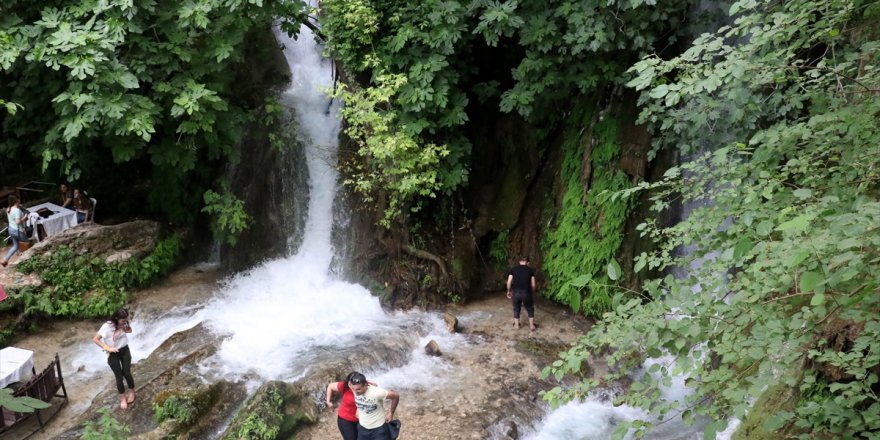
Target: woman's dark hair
12,200
356,378
119,314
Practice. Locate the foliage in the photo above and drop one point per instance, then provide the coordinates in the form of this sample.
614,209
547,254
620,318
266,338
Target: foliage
265,423
107,428
68,278
429,59
229,216
391,159
23,404
785,272
589,228
498,252
104,83
179,407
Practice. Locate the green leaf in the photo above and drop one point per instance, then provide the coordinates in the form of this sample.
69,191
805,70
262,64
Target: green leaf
640,264
574,299
809,281
765,227
743,246
803,193
797,258
581,281
659,91
613,270
796,224
818,299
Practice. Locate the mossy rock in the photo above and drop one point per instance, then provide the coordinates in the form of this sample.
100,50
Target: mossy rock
275,411
209,404
776,398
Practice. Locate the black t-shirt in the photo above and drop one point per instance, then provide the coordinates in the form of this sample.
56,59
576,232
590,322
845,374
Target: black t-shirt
522,277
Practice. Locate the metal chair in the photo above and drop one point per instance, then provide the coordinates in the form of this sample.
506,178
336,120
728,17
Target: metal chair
92,216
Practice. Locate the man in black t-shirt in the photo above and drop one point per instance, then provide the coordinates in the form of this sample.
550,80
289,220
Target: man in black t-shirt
520,286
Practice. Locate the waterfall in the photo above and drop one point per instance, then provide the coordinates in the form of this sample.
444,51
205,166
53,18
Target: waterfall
280,319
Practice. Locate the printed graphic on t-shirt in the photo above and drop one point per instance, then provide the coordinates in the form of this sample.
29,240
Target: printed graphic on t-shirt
366,404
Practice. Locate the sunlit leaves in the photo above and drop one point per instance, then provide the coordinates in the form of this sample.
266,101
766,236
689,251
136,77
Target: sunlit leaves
391,159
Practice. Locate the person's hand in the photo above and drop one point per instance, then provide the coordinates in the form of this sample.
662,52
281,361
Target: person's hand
329,405
112,349
388,417
509,295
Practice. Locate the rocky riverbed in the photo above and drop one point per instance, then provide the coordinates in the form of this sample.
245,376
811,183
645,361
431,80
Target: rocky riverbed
487,386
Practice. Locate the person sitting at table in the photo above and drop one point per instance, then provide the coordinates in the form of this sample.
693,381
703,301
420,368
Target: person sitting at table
66,196
82,205
16,218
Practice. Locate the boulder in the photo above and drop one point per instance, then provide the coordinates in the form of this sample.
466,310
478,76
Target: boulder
433,349
451,322
115,243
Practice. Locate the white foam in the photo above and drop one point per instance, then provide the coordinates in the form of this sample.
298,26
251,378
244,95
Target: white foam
583,420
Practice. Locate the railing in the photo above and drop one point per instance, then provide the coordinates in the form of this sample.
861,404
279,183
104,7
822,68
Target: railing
45,387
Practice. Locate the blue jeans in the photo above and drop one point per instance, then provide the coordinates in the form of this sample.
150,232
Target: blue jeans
13,235
80,217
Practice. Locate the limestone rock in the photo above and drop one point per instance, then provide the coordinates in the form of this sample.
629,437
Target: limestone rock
115,243
451,322
433,349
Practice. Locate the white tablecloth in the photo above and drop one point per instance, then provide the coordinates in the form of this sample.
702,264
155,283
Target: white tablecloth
61,219
16,365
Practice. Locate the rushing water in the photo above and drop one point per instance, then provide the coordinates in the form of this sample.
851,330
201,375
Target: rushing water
275,320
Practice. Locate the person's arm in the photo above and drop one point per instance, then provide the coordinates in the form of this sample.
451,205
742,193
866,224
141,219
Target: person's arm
509,284
395,399
331,390
534,285
98,340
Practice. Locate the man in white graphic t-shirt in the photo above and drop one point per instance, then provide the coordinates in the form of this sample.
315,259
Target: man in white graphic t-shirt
370,402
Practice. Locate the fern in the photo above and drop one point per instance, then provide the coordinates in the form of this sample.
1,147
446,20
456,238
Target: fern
589,229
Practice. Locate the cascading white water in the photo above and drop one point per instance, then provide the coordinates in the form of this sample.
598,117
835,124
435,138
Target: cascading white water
279,318
276,312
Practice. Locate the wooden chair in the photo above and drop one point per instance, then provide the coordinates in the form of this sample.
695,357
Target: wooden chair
44,386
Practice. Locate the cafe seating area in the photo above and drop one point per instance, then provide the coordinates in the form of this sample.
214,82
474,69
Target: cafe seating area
45,218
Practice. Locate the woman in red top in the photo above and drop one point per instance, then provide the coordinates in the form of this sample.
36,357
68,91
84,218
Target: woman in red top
347,415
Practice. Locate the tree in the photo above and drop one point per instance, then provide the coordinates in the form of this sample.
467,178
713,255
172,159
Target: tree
94,85
786,226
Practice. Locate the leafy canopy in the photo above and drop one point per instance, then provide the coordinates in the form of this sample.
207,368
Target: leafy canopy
520,56
89,84
783,283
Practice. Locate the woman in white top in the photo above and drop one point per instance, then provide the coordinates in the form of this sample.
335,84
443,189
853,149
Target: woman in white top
16,218
113,339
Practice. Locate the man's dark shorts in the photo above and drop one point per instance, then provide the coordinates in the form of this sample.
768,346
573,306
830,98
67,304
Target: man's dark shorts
380,433
523,298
